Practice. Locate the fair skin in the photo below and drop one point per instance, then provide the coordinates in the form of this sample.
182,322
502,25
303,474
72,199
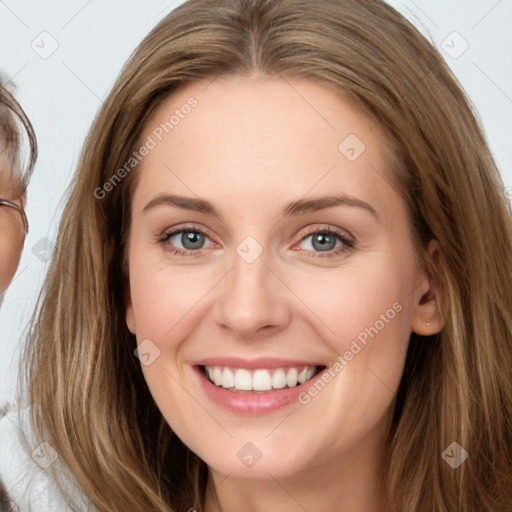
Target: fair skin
251,146
12,232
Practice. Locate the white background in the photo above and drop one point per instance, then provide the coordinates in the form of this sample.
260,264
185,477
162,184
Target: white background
62,93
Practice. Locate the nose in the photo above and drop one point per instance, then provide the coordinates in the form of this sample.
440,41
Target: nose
253,300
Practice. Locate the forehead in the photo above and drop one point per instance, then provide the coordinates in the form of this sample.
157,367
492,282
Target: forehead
260,107
251,134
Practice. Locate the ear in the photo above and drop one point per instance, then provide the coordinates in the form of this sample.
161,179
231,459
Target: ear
427,316
130,317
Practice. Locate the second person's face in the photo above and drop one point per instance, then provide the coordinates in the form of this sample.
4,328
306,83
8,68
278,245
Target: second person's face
12,230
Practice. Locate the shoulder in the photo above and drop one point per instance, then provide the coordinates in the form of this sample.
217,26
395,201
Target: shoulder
27,485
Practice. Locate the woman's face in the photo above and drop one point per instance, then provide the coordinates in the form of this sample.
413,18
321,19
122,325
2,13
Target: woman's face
297,259
12,232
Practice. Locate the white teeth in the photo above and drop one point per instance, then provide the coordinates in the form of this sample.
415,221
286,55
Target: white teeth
261,379
279,379
292,377
228,378
302,376
306,374
217,376
243,380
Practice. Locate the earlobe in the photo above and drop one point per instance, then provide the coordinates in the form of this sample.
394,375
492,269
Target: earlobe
428,316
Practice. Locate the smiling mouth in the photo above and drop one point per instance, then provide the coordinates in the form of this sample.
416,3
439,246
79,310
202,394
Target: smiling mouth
242,380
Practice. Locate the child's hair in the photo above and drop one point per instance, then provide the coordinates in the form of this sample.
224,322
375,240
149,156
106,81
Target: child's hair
13,123
89,398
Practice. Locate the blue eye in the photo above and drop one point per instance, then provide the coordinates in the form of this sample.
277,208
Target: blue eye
192,240
322,241
326,242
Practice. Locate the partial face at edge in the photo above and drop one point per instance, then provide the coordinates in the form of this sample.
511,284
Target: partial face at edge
12,232
253,283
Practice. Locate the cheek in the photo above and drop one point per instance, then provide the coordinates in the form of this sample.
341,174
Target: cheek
11,245
167,305
347,302
364,314
165,299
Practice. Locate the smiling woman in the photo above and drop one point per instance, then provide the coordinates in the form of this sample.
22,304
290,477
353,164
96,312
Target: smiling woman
316,226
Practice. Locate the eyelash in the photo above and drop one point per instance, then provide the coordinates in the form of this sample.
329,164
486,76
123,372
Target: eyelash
348,243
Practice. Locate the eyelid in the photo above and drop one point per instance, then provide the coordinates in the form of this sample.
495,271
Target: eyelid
348,242
169,232
344,236
325,228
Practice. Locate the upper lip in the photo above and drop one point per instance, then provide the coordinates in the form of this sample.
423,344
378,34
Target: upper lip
259,362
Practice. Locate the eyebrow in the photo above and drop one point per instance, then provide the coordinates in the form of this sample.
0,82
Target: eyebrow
298,207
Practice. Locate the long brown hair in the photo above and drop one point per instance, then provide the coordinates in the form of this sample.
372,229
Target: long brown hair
88,396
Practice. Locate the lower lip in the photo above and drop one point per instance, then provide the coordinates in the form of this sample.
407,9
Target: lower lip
252,403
